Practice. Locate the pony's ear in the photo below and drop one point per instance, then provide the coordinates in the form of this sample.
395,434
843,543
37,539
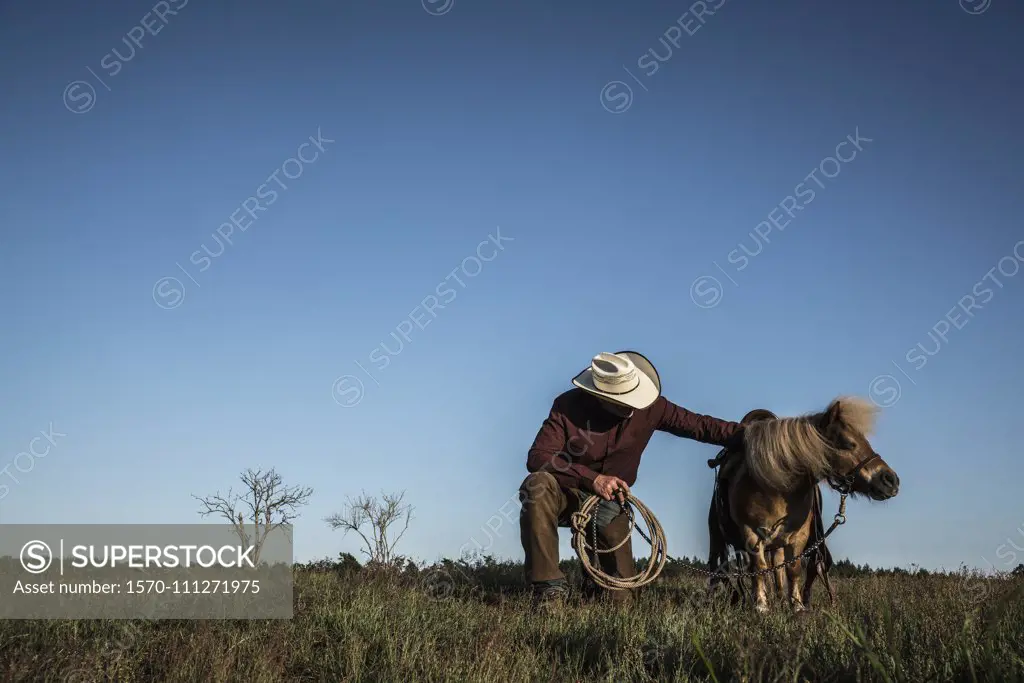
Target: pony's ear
834,411
831,422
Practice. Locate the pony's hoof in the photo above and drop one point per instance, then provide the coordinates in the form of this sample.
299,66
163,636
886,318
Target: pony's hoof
761,607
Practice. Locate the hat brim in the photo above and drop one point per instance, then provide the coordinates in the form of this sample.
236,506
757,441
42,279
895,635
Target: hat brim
643,396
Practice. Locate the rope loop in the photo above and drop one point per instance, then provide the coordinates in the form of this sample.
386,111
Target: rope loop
585,516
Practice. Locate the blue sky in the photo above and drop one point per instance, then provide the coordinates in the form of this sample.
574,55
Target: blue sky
445,129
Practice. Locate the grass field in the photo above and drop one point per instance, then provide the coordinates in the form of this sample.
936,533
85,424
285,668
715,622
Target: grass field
458,622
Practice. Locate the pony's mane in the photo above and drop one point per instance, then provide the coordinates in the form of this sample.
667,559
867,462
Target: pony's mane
785,452
858,414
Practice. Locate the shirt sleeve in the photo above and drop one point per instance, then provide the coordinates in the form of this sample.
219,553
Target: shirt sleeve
548,454
704,428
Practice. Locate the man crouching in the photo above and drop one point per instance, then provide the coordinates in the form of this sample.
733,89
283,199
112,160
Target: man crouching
590,444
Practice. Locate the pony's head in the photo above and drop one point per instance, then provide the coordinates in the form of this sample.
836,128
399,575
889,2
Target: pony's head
787,452
844,426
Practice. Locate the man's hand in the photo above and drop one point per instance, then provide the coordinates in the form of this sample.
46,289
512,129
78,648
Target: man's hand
609,487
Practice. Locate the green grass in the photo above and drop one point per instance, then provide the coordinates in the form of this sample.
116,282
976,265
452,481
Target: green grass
474,624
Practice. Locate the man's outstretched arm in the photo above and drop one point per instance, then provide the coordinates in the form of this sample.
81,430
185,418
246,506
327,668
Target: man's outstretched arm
704,428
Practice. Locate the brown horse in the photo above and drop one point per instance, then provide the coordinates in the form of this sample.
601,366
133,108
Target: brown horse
769,495
818,562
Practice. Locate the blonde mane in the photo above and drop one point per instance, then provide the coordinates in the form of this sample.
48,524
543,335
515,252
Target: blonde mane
783,453
858,414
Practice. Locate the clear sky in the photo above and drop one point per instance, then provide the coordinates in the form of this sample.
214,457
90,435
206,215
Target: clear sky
436,130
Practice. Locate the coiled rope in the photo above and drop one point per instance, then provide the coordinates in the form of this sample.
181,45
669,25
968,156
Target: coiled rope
591,564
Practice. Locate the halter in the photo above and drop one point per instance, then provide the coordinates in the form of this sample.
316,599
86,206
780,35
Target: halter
844,484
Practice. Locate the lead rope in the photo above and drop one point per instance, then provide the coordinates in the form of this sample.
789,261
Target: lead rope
658,543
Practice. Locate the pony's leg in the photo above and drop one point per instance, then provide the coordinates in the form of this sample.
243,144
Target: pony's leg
716,551
795,574
756,549
779,556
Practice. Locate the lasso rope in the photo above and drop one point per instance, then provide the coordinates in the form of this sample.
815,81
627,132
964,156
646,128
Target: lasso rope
586,515
659,555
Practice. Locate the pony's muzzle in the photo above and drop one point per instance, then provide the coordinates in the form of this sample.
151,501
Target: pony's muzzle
885,484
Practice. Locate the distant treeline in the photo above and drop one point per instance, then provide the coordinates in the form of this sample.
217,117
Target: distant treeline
846,568
346,562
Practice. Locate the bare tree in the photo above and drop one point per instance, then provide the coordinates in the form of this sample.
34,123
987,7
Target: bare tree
267,503
376,521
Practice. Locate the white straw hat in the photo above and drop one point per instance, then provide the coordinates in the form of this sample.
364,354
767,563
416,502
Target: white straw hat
625,377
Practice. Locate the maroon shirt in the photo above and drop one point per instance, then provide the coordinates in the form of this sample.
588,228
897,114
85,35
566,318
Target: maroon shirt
580,440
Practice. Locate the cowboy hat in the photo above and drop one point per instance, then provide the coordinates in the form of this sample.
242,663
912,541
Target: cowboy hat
624,377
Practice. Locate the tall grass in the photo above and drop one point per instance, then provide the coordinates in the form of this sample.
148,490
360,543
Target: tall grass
458,622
